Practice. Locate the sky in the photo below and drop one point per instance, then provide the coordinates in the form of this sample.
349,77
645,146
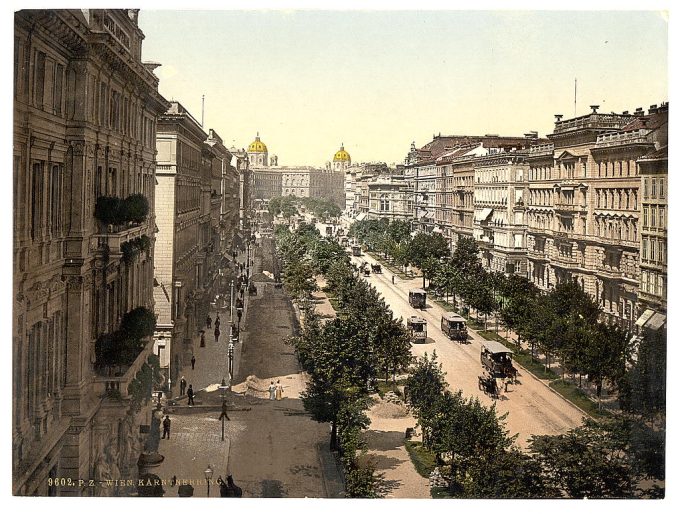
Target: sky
308,80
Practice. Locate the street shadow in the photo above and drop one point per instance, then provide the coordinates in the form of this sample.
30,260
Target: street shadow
384,441
272,489
384,487
382,462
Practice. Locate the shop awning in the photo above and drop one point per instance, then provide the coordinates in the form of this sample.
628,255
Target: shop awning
483,215
437,230
360,216
656,322
644,317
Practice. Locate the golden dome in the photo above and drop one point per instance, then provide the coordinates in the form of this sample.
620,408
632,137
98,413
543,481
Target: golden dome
341,155
257,146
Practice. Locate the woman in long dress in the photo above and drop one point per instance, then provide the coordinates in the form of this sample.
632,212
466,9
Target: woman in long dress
272,391
279,390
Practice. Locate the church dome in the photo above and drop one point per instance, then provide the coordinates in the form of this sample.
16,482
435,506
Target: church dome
341,155
257,146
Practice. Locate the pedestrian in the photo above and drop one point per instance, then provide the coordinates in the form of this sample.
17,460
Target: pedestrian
393,279
217,321
272,391
217,333
202,338
182,386
166,427
190,394
208,321
279,390
160,397
193,362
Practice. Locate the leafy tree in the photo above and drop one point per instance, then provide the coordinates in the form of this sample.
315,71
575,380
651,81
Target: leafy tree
392,345
466,431
424,246
504,475
642,389
465,256
588,461
299,279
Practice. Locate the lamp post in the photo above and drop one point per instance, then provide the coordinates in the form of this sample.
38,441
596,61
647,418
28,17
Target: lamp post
230,353
223,390
231,303
208,475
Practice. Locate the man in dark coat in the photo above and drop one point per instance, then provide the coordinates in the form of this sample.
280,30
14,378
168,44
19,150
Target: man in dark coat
166,427
208,321
193,362
190,394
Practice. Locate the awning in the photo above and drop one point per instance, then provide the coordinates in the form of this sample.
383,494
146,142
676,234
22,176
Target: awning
644,318
483,215
437,230
656,322
360,216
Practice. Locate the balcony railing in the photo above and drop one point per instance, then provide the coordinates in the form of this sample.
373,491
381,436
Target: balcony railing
638,136
114,240
544,149
595,121
105,385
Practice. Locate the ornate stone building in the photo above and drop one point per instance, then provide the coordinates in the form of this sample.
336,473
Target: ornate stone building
584,205
187,215
85,110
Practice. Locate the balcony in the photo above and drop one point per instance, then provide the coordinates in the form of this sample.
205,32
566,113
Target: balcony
565,260
114,240
608,271
568,207
118,385
593,121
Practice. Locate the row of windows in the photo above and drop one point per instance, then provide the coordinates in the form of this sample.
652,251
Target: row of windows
652,283
650,220
653,188
624,230
616,198
653,250
623,168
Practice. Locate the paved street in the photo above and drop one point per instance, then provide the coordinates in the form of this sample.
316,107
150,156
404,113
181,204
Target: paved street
272,448
532,407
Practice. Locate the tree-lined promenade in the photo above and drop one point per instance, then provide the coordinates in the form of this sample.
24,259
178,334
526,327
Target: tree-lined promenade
344,356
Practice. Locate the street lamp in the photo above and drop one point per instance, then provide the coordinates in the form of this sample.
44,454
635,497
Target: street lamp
230,353
223,390
208,475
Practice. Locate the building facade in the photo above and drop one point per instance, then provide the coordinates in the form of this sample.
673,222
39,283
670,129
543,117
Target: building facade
186,233
85,111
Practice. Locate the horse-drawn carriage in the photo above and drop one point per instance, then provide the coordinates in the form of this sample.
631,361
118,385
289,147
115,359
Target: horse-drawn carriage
488,385
417,329
497,360
356,250
367,271
376,268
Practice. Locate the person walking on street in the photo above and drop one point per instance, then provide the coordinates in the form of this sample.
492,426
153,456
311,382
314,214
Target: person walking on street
217,321
217,333
166,427
279,390
272,391
190,394
202,338
193,362
182,386
393,279
208,321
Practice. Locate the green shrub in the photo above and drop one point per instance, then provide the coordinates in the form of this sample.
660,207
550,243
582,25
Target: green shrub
136,208
138,323
108,210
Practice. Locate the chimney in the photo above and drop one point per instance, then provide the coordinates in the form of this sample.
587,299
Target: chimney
594,108
558,118
639,111
653,109
625,113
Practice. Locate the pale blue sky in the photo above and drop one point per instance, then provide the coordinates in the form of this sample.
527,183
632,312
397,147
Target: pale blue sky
376,80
